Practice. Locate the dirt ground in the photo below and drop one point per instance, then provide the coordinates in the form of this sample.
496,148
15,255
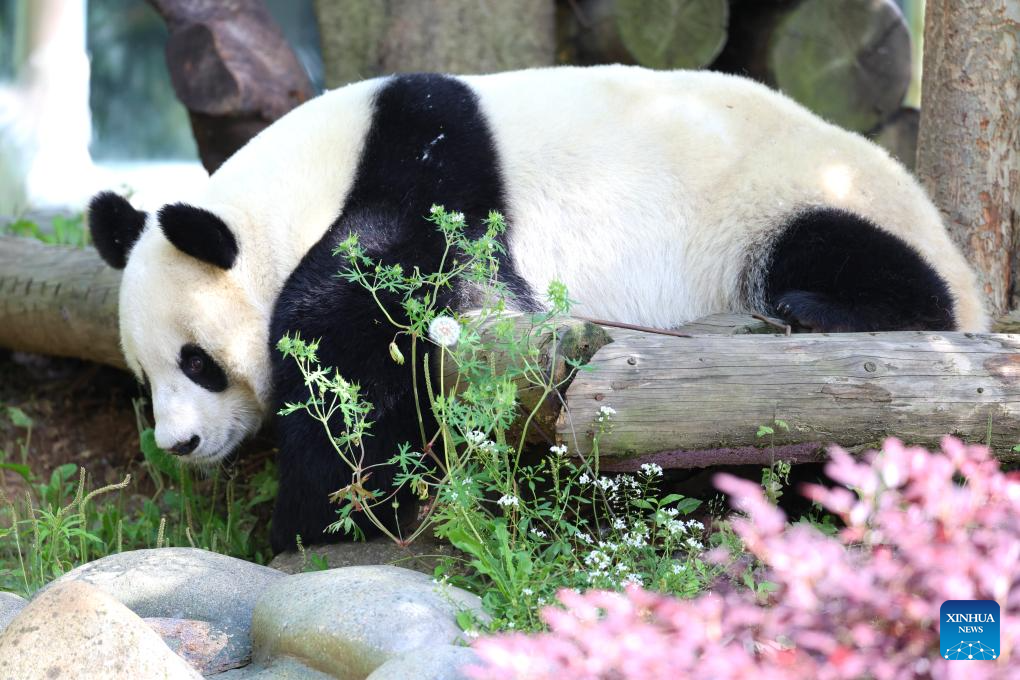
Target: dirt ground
82,414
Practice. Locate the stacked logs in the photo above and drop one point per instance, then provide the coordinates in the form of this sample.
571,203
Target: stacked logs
847,60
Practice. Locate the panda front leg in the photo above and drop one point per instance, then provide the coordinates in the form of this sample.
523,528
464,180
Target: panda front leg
830,270
354,339
311,471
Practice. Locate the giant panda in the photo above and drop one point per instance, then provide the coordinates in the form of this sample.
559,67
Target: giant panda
656,197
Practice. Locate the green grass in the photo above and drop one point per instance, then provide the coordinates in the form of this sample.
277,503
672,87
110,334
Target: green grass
62,521
65,231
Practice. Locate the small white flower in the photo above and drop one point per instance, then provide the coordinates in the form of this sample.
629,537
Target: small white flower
695,524
559,450
606,412
618,523
694,543
679,568
475,437
651,469
509,500
584,478
538,533
583,537
456,217
444,330
527,592
632,580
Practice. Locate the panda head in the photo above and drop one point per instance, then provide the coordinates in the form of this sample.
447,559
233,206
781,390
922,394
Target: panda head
190,328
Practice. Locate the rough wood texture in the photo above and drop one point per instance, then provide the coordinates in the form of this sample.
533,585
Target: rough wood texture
969,148
678,395
663,34
366,38
232,68
848,61
58,300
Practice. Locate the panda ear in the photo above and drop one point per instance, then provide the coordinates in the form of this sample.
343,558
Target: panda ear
115,226
199,233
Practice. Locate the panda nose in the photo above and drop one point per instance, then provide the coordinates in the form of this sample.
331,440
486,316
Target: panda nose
184,448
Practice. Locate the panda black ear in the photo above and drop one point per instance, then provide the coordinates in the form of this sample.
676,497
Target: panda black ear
115,226
199,233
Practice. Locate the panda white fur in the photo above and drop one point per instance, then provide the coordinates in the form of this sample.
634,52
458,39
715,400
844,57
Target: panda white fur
656,197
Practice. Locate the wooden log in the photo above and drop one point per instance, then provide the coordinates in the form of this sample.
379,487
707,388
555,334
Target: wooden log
232,68
969,148
366,38
663,34
710,393
680,401
898,135
848,61
58,300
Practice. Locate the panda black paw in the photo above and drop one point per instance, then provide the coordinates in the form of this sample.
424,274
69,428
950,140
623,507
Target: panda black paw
815,312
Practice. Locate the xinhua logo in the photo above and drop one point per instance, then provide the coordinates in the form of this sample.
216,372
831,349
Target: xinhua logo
969,630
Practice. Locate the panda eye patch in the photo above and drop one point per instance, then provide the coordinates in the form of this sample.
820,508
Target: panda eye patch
201,369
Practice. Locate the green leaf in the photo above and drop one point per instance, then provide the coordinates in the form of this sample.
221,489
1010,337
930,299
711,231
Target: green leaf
18,417
157,457
23,470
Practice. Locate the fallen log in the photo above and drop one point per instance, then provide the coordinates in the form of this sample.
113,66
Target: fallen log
58,300
662,34
898,135
690,397
689,402
848,61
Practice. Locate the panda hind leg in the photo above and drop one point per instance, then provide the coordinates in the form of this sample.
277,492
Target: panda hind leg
830,270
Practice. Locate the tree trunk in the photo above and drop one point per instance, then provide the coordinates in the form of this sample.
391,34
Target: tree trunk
233,70
848,61
969,147
366,38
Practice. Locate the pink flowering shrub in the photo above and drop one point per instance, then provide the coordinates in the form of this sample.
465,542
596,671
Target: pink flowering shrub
921,528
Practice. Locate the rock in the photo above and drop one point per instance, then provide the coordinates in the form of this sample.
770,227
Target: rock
439,662
279,669
74,630
422,555
10,605
202,644
348,622
184,583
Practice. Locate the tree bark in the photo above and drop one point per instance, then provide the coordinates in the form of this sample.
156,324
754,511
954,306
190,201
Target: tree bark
365,38
695,401
233,70
969,146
